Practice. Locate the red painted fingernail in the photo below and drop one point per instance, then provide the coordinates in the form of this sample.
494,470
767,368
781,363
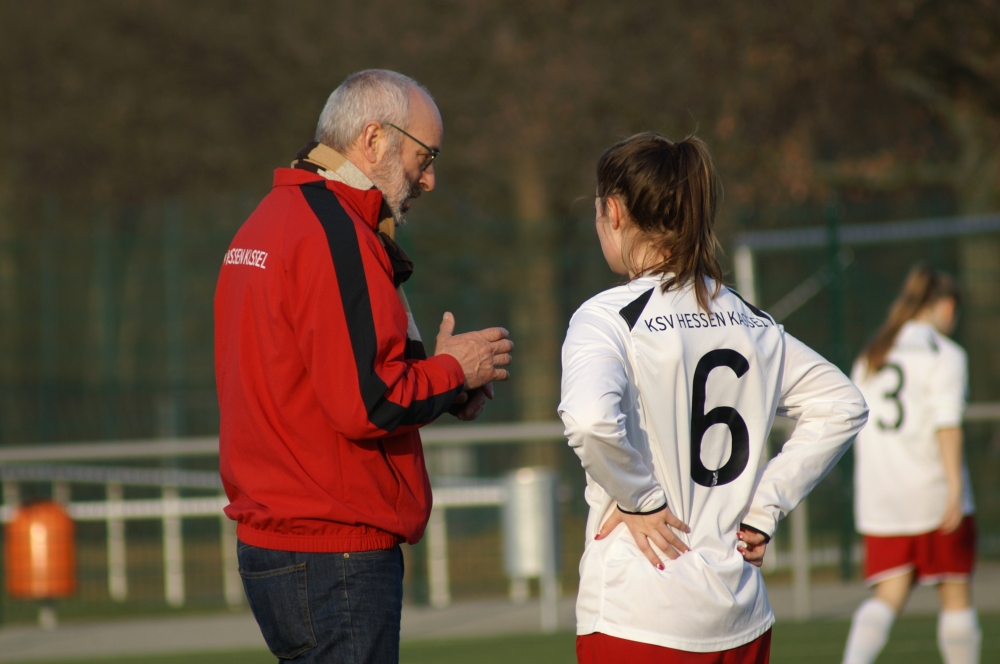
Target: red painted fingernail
597,536
659,566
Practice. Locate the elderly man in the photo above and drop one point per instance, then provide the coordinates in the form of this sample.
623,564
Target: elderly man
323,381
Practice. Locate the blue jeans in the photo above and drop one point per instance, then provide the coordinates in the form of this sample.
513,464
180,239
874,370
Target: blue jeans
326,607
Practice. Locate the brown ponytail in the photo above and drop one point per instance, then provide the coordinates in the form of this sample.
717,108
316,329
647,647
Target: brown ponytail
923,286
671,193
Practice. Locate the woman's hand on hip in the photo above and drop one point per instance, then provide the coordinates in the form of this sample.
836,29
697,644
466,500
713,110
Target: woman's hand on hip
653,529
754,545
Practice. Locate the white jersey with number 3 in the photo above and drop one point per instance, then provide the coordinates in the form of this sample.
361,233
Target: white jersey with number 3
666,403
899,482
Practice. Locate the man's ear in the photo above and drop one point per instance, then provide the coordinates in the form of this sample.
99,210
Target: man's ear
371,138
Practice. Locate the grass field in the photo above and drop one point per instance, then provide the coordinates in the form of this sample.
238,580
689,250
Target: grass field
913,641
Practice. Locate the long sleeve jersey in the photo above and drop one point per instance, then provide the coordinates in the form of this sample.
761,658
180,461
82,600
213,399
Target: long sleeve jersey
900,486
319,405
665,403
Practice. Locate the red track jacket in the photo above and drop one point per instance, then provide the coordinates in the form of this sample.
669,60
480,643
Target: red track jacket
318,441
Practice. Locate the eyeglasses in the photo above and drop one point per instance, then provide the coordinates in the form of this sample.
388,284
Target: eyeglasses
432,152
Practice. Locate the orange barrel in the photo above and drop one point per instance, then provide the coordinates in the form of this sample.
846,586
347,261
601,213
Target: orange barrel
40,552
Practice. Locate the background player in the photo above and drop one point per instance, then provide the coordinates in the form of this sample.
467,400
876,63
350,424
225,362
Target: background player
912,497
670,385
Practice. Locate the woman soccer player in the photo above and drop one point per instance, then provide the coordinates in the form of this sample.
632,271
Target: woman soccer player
670,385
912,499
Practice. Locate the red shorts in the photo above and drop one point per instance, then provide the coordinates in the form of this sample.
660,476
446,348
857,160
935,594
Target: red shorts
933,556
598,648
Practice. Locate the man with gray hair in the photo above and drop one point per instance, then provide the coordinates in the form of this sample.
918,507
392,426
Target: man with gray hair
323,380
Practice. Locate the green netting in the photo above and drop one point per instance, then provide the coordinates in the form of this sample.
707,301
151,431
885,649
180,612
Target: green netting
843,315
106,333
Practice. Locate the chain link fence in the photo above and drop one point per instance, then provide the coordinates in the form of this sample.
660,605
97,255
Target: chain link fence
831,285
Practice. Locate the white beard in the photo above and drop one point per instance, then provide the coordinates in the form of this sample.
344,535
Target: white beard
390,178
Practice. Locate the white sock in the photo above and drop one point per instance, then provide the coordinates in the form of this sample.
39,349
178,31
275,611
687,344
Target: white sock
869,632
959,636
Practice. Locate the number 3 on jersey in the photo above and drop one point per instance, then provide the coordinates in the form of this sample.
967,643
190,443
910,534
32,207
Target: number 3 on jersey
894,397
701,421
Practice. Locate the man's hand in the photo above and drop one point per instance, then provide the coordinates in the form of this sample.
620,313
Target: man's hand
649,530
480,353
469,405
752,545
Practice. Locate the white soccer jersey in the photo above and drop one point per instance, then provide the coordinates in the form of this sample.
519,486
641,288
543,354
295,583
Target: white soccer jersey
664,402
899,482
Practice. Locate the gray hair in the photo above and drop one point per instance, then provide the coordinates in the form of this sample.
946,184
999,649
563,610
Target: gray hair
376,95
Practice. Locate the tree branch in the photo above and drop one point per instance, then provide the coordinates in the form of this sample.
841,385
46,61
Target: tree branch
922,88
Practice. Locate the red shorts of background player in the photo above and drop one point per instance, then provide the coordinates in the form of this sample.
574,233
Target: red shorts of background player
598,648
933,556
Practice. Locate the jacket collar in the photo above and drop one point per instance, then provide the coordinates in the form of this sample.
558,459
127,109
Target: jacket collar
326,162
365,203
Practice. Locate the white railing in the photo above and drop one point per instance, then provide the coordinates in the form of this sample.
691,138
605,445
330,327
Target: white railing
170,508
37,463
457,495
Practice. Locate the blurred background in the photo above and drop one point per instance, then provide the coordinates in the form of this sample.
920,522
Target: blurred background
136,136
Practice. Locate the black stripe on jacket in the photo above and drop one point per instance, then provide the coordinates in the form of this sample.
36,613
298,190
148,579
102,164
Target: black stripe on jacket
345,251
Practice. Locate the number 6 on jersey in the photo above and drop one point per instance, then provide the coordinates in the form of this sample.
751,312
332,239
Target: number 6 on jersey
701,421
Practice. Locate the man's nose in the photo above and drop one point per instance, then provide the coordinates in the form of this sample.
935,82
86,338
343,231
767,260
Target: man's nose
427,179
